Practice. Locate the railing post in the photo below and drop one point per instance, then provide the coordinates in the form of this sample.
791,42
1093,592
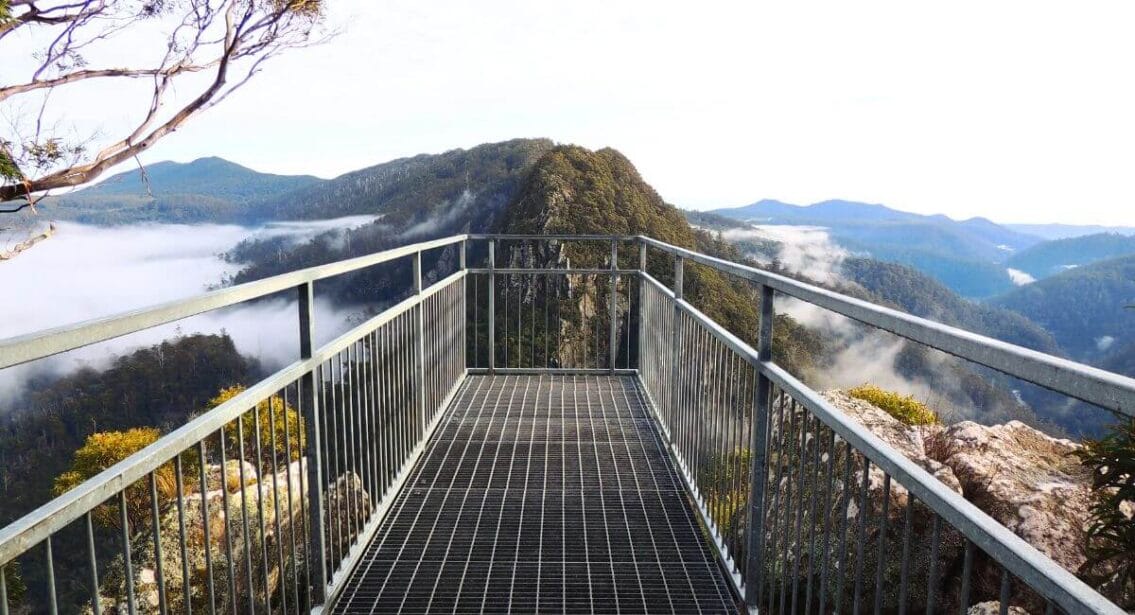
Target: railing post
758,445
614,308
492,306
318,562
641,296
462,265
676,343
420,356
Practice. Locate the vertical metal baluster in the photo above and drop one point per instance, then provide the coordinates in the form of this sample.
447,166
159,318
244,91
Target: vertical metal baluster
156,521
476,321
758,455
519,314
679,276
829,504
228,531
317,578
612,300
813,493
346,368
52,600
774,512
492,306
250,583
291,514
801,463
861,540
849,462
4,592
904,576
507,283
419,359
1003,599
932,574
967,573
186,580
260,506
1050,608
796,420
532,327
335,453
881,555
205,528
96,607
272,401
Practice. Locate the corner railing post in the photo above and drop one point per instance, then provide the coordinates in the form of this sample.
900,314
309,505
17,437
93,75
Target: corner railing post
317,564
492,306
758,445
420,354
463,265
675,346
613,303
641,297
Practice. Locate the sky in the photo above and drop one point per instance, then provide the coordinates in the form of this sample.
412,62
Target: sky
1019,111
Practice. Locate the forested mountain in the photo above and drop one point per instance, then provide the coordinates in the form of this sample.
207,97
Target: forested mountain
1053,257
1064,231
966,256
921,295
205,190
1084,308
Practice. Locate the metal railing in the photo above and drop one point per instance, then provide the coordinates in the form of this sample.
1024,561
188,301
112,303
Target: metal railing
263,503
266,502
807,508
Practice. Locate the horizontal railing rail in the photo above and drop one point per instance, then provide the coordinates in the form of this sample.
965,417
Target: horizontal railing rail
722,405
1102,388
43,344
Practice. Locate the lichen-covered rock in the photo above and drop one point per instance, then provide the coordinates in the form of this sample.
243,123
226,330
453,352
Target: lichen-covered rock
214,525
1026,480
992,607
1029,482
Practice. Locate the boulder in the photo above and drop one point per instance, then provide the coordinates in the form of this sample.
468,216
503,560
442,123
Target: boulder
1028,481
992,607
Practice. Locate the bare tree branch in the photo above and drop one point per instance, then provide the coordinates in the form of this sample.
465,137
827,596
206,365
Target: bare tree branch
229,38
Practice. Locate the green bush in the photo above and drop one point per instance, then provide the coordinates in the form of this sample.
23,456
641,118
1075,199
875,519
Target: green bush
906,409
1111,531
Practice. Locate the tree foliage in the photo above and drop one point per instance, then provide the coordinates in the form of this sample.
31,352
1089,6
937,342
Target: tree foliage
104,449
272,428
62,44
1111,533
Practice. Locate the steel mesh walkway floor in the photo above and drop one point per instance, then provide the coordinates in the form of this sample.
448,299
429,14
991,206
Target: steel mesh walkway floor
541,494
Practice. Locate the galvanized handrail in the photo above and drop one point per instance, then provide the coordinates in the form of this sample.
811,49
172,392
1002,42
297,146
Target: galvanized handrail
1100,387
42,344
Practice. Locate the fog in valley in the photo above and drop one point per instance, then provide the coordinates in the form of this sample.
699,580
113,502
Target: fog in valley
85,272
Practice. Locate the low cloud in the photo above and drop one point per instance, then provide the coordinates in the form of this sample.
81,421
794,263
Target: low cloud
86,272
1104,343
1020,278
805,250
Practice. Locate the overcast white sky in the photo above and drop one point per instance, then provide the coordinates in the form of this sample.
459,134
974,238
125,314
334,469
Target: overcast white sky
1014,110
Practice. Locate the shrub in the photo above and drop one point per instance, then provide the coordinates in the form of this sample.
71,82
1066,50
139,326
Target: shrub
271,417
904,408
1111,529
104,449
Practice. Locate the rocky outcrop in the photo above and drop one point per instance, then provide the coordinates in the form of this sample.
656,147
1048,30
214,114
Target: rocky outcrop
1028,481
260,522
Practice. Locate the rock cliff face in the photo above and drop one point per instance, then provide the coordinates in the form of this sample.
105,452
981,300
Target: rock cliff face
1029,482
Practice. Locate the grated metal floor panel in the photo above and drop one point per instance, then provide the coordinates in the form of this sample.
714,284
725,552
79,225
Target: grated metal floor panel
546,494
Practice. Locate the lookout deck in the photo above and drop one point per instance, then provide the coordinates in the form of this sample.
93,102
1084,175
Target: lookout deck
541,493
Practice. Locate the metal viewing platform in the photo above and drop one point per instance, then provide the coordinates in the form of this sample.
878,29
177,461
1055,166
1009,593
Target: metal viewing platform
520,433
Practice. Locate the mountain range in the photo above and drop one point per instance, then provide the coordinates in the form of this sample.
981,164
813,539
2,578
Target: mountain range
932,266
